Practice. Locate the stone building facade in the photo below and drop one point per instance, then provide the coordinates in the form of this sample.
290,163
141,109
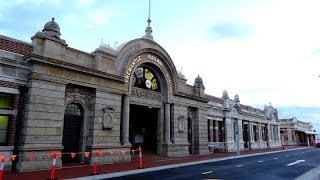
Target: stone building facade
228,118
58,99
296,132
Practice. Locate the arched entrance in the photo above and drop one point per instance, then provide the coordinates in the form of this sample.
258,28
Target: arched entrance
144,115
73,116
143,128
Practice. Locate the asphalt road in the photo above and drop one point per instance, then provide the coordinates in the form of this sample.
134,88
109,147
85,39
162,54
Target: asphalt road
282,165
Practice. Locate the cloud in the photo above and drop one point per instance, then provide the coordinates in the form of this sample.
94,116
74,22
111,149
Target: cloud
316,52
99,17
231,30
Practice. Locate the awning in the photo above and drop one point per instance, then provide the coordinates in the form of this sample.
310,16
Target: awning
307,132
311,132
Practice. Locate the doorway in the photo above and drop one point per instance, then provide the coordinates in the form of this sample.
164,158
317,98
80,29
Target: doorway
71,132
143,128
190,136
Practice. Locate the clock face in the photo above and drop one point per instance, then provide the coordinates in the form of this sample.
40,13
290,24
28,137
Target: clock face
148,83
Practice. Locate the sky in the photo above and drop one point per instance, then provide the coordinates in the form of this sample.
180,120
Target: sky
266,51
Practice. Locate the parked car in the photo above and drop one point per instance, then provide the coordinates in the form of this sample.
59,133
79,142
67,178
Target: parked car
317,142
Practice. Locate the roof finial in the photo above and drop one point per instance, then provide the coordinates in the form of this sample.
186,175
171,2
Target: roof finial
149,28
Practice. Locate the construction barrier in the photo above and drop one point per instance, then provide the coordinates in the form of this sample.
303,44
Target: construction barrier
140,158
55,155
53,167
3,159
95,163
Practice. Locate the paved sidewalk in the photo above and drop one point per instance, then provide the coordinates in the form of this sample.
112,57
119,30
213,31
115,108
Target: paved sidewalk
149,163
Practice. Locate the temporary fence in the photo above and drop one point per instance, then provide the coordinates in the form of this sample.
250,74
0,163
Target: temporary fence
55,155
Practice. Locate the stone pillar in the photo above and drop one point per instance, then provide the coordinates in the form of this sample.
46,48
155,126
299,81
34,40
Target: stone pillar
271,132
259,134
289,134
216,130
125,121
268,135
167,123
250,131
210,126
259,131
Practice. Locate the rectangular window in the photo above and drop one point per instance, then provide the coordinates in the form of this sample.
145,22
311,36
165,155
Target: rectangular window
4,121
6,101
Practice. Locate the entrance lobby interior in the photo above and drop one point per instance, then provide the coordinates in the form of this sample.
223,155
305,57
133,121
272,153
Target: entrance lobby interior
143,128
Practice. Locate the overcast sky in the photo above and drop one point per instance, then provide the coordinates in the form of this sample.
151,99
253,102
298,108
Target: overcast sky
263,50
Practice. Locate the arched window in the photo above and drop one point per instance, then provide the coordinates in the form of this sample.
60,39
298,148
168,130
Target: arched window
144,78
72,110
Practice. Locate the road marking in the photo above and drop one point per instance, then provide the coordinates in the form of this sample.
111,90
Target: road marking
275,158
299,161
239,165
260,161
287,156
208,172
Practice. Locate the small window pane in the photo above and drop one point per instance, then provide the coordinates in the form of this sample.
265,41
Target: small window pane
3,128
6,101
73,109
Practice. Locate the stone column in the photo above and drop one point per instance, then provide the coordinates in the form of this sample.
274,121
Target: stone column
259,131
125,121
250,131
271,132
259,134
216,130
289,134
268,135
210,126
167,123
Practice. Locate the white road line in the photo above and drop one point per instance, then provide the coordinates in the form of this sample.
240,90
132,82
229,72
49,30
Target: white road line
275,158
208,172
299,161
287,156
260,161
239,165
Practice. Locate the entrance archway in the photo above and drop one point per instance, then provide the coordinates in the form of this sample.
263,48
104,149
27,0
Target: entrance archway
143,128
71,131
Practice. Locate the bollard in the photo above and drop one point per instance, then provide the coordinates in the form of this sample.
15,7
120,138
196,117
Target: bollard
140,159
95,163
53,167
3,158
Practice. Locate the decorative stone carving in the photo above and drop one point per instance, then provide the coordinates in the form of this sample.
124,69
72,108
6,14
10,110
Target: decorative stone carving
80,94
190,113
108,118
146,94
181,123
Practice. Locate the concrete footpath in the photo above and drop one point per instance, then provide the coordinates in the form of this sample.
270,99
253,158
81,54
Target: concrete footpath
150,163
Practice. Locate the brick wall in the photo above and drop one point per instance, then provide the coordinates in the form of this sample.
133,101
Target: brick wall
15,46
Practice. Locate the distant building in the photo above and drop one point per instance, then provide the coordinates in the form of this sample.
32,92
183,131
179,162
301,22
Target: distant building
58,99
296,132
